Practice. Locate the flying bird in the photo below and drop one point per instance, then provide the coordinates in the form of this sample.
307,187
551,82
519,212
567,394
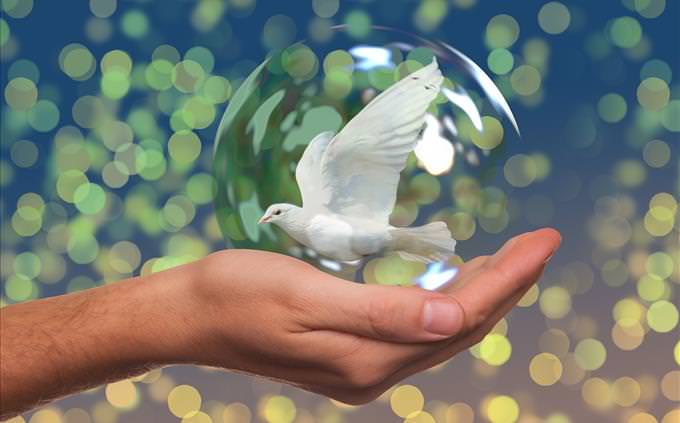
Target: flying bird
349,181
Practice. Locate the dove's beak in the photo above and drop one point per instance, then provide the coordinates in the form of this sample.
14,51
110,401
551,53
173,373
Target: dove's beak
264,219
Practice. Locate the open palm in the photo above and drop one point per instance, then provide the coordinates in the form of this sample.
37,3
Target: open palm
291,322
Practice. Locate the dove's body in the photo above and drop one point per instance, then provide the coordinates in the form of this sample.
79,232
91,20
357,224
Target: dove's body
349,181
339,237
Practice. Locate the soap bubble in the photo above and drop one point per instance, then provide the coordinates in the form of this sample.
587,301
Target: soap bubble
319,85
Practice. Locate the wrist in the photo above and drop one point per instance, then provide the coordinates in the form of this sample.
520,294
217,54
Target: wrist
190,307
219,322
171,326
208,302
144,322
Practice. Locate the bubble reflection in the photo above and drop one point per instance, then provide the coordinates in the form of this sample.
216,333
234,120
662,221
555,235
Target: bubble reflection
312,87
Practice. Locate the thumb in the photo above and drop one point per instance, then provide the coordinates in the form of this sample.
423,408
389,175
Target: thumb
389,313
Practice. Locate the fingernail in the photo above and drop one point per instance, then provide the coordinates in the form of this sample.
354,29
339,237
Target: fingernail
549,257
442,317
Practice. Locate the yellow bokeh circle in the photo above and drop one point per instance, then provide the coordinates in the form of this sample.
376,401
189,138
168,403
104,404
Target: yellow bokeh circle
279,409
21,93
184,401
596,392
495,349
642,417
407,400
502,409
626,391
554,17
628,337
421,417
460,412
656,153
122,394
555,302
662,316
545,369
670,385
47,415
525,80
590,354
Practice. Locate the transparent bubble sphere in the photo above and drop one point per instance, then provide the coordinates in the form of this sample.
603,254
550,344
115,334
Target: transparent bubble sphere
319,85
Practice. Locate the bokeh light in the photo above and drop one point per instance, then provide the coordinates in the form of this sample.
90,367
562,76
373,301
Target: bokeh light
545,369
279,409
122,394
590,354
502,409
554,17
407,401
184,401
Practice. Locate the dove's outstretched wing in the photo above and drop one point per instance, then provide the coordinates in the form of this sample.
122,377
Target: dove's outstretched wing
308,171
360,166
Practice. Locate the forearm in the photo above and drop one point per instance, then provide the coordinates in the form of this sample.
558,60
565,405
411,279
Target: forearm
56,346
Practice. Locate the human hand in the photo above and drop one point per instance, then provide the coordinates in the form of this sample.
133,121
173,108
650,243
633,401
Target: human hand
260,313
275,316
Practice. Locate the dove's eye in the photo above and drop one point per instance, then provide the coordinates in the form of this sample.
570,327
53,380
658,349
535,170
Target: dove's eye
278,212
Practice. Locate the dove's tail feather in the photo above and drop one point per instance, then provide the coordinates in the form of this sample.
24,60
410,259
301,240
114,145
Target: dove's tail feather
427,243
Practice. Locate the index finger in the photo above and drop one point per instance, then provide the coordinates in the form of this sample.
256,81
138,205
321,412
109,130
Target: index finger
512,268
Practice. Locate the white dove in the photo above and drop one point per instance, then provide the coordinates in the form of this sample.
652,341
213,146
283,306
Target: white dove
349,181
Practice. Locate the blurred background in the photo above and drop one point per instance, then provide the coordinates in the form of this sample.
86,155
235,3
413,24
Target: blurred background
109,113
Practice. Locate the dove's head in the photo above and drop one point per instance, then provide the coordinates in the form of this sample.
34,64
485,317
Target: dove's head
278,213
